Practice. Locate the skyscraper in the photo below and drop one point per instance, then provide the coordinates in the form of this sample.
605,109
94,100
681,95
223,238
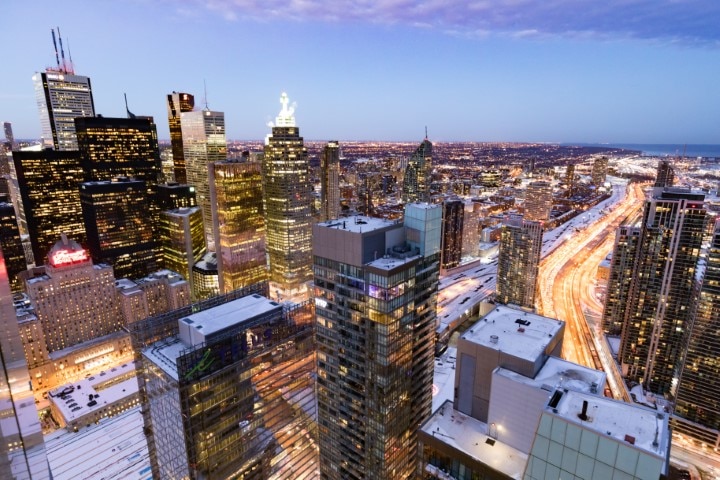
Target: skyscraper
119,226
62,96
330,181
49,183
538,201
9,137
173,195
227,390
12,246
599,171
375,296
416,187
621,277
177,104
665,174
111,148
288,206
203,136
698,395
570,179
238,223
452,233
658,313
518,261
182,240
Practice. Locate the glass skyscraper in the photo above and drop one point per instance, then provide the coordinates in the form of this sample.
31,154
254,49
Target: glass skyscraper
518,261
177,104
288,207
330,181
416,187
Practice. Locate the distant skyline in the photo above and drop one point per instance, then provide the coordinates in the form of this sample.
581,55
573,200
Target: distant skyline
642,71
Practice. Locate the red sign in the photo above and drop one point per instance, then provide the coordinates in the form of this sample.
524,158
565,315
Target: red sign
67,257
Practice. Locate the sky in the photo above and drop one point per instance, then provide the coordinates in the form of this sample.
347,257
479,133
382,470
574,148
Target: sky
597,71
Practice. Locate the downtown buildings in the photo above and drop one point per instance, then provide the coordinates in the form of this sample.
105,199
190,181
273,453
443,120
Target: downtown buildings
518,261
375,296
178,103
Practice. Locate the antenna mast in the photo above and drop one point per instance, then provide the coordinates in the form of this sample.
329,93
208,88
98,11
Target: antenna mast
206,101
425,132
129,113
62,52
57,58
72,66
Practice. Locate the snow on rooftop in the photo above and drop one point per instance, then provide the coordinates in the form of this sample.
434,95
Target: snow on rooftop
358,224
618,420
469,435
515,332
164,354
444,378
389,262
557,373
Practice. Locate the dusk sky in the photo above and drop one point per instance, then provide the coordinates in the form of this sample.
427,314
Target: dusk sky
620,71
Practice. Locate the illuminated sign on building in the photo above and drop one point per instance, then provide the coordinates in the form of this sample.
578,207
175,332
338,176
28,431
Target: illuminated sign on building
67,257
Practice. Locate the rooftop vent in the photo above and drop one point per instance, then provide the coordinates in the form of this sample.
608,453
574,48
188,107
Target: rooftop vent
494,338
583,415
630,439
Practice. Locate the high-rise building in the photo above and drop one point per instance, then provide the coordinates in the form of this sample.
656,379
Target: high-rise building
112,148
621,276
538,201
62,97
182,240
518,261
452,233
658,313
204,277
570,179
119,226
49,183
287,203
173,195
599,171
9,137
330,181
203,136
228,391
178,103
665,174
160,292
376,297
471,230
416,186
12,246
238,223
698,395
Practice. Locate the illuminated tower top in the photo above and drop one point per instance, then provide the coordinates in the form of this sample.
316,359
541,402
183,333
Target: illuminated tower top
286,117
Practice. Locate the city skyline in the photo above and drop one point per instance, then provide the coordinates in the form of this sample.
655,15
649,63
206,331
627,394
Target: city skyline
508,71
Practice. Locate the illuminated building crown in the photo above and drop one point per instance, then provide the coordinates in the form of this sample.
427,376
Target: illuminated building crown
67,252
286,116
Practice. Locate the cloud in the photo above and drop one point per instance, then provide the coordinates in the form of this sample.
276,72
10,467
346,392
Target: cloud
691,22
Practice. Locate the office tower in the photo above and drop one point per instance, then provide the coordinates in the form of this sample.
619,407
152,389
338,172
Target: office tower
376,297
518,260
471,230
178,103
204,277
538,201
9,137
452,233
416,186
111,148
330,181
49,183
173,195
22,449
119,227
570,179
238,223
203,136
12,246
665,174
698,395
599,171
62,96
160,292
619,282
288,207
227,391
658,312
182,240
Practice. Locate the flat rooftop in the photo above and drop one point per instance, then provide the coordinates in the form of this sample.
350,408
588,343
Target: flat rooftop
469,435
560,374
618,420
358,224
514,331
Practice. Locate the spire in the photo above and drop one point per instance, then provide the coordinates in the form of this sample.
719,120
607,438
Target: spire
286,117
129,113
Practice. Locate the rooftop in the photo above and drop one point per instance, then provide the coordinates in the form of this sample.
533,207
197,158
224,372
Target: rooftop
646,428
358,224
560,374
469,435
513,331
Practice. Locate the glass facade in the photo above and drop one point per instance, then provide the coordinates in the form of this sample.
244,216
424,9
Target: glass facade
49,187
177,104
62,97
538,201
203,136
236,193
119,226
330,181
416,187
621,271
182,240
518,261
11,245
452,235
